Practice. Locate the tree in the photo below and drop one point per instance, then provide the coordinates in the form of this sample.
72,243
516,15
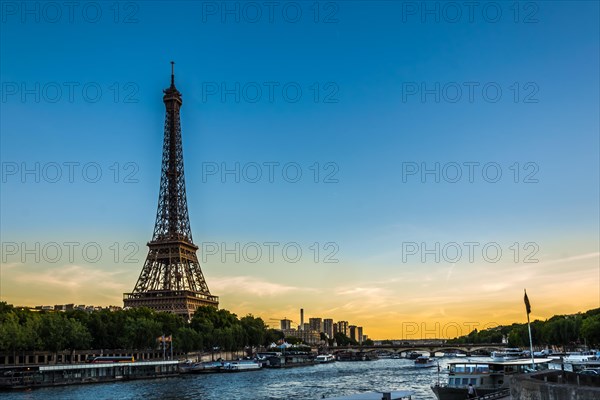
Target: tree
11,337
52,331
254,330
141,333
272,336
515,338
590,330
77,337
343,340
293,340
186,340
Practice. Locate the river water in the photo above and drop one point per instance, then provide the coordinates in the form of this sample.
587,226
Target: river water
312,382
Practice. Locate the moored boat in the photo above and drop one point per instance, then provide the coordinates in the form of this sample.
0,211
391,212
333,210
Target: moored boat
201,367
325,358
389,395
425,362
508,354
487,377
241,366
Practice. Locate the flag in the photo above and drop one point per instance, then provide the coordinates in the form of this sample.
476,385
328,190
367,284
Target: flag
527,305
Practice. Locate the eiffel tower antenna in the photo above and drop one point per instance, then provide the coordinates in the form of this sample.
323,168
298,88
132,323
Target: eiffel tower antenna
173,73
171,278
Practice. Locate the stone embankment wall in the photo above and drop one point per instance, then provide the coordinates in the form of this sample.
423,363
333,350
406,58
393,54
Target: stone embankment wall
79,356
554,385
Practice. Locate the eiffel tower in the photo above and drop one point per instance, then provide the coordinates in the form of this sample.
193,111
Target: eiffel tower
171,279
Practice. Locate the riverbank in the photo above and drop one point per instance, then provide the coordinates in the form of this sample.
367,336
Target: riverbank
555,385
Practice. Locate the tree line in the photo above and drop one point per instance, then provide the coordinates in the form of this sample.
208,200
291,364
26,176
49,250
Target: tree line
568,331
134,329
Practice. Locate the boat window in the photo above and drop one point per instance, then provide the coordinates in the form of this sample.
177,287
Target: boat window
465,381
451,381
473,381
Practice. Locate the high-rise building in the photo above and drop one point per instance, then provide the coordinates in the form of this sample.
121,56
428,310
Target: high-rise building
171,279
286,324
316,324
352,329
359,333
343,327
328,327
335,328
301,326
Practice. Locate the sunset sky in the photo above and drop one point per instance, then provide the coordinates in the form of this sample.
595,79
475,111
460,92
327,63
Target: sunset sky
399,151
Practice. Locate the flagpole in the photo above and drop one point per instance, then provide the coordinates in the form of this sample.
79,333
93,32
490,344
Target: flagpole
528,309
530,342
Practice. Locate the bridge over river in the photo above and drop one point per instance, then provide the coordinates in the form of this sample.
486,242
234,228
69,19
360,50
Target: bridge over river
467,349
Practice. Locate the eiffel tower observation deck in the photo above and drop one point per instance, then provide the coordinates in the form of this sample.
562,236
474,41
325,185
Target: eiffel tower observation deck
171,279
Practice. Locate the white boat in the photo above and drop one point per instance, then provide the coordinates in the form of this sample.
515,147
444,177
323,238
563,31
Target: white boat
581,356
390,394
425,362
324,358
239,366
508,354
487,377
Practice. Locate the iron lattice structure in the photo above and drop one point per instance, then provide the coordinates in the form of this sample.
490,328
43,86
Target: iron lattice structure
171,279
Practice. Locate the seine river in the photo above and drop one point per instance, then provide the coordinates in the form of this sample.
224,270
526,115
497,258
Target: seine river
313,382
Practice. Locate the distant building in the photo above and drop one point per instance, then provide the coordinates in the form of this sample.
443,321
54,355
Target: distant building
335,328
328,327
305,326
316,324
353,335
79,307
286,324
359,334
307,336
343,327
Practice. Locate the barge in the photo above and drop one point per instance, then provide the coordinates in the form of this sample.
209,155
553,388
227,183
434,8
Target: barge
20,377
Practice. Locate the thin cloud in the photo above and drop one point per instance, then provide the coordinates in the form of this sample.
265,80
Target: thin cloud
251,285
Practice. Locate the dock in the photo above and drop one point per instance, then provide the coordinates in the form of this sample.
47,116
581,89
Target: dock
73,374
385,395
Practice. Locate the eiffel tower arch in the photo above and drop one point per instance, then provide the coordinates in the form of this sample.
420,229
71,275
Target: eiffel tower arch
171,279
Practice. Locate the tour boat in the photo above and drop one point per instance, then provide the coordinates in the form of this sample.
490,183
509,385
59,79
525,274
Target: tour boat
389,395
487,377
239,366
200,367
508,354
579,356
425,362
324,358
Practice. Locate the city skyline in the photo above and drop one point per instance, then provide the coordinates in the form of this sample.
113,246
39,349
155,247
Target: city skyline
378,196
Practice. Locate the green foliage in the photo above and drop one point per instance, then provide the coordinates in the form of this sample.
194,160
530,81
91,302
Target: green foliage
187,339
293,340
560,330
590,329
23,330
272,336
343,340
139,328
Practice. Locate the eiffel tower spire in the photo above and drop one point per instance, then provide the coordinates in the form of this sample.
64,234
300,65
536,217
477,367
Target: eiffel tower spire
171,278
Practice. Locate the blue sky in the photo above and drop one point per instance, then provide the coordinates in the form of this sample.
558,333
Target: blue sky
364,60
